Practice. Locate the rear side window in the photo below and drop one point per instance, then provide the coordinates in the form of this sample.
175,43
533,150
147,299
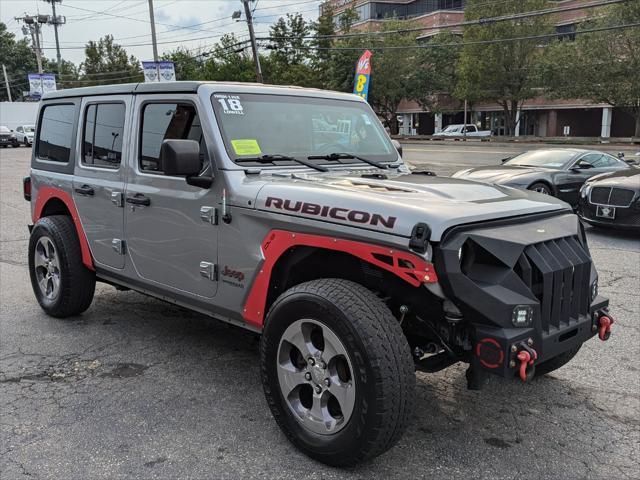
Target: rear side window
162,121
103,131
56,133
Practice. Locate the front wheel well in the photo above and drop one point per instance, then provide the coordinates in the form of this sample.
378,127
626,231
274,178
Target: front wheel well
303,263
545,183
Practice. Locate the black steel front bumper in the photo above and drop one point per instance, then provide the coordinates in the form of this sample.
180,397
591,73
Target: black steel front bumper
541,265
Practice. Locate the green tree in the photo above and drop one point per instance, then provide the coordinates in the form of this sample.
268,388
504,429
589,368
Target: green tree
290,60
505,72
601,66
231,61
435,73
107,62
19,60
393,68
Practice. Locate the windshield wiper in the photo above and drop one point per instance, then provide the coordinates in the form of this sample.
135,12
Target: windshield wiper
271,158
342,155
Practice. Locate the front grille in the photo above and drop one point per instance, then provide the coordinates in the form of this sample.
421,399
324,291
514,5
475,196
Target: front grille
557,272
600,195
621,197
615,197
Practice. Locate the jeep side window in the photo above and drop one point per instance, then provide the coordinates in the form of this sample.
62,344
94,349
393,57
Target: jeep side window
162,121
103,131
56,133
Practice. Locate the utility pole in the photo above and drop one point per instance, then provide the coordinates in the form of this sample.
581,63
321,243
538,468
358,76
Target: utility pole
55,21
32,27
6,82
252,35
153,38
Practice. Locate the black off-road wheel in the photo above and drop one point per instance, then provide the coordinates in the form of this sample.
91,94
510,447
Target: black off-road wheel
337,371
556,362
61,283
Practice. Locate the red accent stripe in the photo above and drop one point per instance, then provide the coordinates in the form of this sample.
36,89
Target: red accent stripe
47,193
409,267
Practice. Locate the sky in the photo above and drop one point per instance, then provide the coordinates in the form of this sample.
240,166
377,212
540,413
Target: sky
192,24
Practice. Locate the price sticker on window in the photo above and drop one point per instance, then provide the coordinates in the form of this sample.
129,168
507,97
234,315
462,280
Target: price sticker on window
246,146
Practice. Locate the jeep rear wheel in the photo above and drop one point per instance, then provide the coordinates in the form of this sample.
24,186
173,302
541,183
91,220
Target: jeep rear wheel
62,285
337,371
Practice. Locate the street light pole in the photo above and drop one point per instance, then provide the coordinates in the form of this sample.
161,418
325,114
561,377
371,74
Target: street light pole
35,35
153,38
252,36
54,20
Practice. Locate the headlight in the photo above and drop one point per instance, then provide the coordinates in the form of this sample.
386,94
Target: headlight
584,191
522,316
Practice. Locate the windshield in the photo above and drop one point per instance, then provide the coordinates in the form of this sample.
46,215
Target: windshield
452,128
543,158
254,125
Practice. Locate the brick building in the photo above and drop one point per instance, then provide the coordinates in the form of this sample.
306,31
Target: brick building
539,116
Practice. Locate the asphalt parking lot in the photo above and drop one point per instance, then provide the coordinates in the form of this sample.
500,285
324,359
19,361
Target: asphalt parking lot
136,388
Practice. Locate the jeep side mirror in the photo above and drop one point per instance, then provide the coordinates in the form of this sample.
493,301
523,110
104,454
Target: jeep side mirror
180,157
398,146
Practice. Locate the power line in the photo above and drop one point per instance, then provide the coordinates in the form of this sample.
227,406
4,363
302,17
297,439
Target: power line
462,44
466,23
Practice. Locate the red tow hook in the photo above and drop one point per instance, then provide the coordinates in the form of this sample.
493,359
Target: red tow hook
527,356
604,327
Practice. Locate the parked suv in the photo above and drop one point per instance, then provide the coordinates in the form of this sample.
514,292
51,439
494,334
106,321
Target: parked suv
24,134
289,212
7,137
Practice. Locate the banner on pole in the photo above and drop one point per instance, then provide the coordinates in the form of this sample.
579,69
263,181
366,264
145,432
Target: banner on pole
41,83
363,75
159,72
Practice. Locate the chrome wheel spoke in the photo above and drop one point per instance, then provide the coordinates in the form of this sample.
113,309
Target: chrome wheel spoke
289,378
345,395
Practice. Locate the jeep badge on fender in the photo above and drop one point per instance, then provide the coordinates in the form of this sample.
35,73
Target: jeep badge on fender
290,212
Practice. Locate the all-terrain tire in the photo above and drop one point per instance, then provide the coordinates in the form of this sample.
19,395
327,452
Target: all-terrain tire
76,282
384,373
557,362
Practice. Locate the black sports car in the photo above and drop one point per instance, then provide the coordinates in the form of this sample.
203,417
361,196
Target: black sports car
612,199
560,172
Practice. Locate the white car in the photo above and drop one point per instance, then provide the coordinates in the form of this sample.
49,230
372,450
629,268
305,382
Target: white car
460,130
24,134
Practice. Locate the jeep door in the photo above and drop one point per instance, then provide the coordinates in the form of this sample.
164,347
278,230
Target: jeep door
98,182
170,241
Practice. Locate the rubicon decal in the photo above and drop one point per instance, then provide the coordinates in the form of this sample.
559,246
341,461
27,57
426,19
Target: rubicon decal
337,213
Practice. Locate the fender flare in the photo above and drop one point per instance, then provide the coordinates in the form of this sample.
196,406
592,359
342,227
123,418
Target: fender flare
47,193
409,267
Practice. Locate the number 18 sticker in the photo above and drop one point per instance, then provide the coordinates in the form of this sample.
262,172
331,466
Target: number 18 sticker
231,104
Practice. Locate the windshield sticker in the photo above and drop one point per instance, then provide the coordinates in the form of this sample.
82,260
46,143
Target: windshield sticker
246,146
231,104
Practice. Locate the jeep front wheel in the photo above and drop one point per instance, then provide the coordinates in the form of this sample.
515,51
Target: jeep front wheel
337,371
62,285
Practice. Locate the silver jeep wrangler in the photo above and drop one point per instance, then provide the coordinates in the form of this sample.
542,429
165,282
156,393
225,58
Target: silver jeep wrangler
290,212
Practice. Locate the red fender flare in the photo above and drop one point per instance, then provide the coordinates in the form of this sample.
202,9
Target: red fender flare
47,193
409,267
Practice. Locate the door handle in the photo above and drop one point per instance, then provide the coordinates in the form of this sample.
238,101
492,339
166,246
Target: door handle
139,199
86,190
